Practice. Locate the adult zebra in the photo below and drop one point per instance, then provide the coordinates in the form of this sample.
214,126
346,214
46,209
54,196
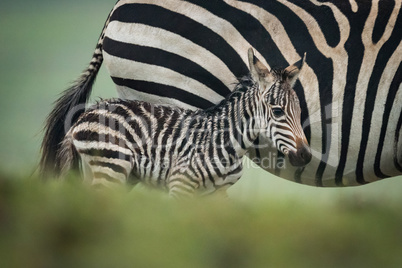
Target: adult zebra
351,109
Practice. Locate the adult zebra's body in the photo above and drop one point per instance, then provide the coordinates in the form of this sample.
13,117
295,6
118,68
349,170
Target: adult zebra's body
351,84
187,151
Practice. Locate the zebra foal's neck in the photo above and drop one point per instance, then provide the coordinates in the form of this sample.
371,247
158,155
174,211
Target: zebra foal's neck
237,119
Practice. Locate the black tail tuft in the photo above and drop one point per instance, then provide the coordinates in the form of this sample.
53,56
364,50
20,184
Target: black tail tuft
57,124
65,112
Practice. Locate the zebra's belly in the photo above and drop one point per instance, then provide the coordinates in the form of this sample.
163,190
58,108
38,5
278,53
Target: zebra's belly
204,180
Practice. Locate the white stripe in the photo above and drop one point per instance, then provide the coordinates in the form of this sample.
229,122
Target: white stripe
387,166
132,94
118,176
376,121
370,55
100,145
354,5
102,130
218,25
128,69
127,165
144,35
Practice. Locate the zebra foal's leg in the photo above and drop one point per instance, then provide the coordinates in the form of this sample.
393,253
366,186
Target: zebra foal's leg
182,184
103,172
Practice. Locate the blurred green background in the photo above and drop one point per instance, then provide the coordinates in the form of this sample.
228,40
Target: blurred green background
44,45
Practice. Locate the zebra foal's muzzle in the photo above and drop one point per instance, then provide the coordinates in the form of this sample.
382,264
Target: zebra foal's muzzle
302,155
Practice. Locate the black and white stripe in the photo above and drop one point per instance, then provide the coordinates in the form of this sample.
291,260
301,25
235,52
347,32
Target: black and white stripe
187,53
186,151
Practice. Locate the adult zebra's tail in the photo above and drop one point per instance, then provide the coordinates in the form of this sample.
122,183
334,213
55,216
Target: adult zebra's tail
56,123
54,128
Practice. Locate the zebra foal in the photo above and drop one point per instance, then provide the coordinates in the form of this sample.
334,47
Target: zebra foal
185,151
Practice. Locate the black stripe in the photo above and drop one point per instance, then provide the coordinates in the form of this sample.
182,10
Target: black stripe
278,133
384,55
159,17
237,170
87,135
114,167
174,115
117,107
384,13
205,133
200,169
160,90
106,153
192,173
194,122
257,158
240,116
228,144
161,118
182,180
190,178
220,143
168,60
233,122
176,132
100,175
211,150
355,49
190,149
396,142
177,187
210,177
102,119
323,15
250,28
136,123
385,119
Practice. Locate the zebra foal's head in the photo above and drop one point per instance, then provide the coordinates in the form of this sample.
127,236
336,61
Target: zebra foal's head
280,111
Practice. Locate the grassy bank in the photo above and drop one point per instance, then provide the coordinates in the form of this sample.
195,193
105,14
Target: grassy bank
65,224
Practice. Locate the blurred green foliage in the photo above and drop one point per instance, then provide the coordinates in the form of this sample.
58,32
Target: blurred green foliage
66,224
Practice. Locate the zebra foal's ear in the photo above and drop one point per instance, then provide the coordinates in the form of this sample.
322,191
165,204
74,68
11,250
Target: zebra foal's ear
259,72
292,71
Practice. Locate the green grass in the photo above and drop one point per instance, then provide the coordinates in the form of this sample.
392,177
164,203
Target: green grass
65,224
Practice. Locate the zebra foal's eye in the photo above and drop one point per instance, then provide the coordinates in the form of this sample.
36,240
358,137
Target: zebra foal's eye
278,112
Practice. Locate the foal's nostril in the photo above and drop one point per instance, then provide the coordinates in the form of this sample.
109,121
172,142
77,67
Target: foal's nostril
301,157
